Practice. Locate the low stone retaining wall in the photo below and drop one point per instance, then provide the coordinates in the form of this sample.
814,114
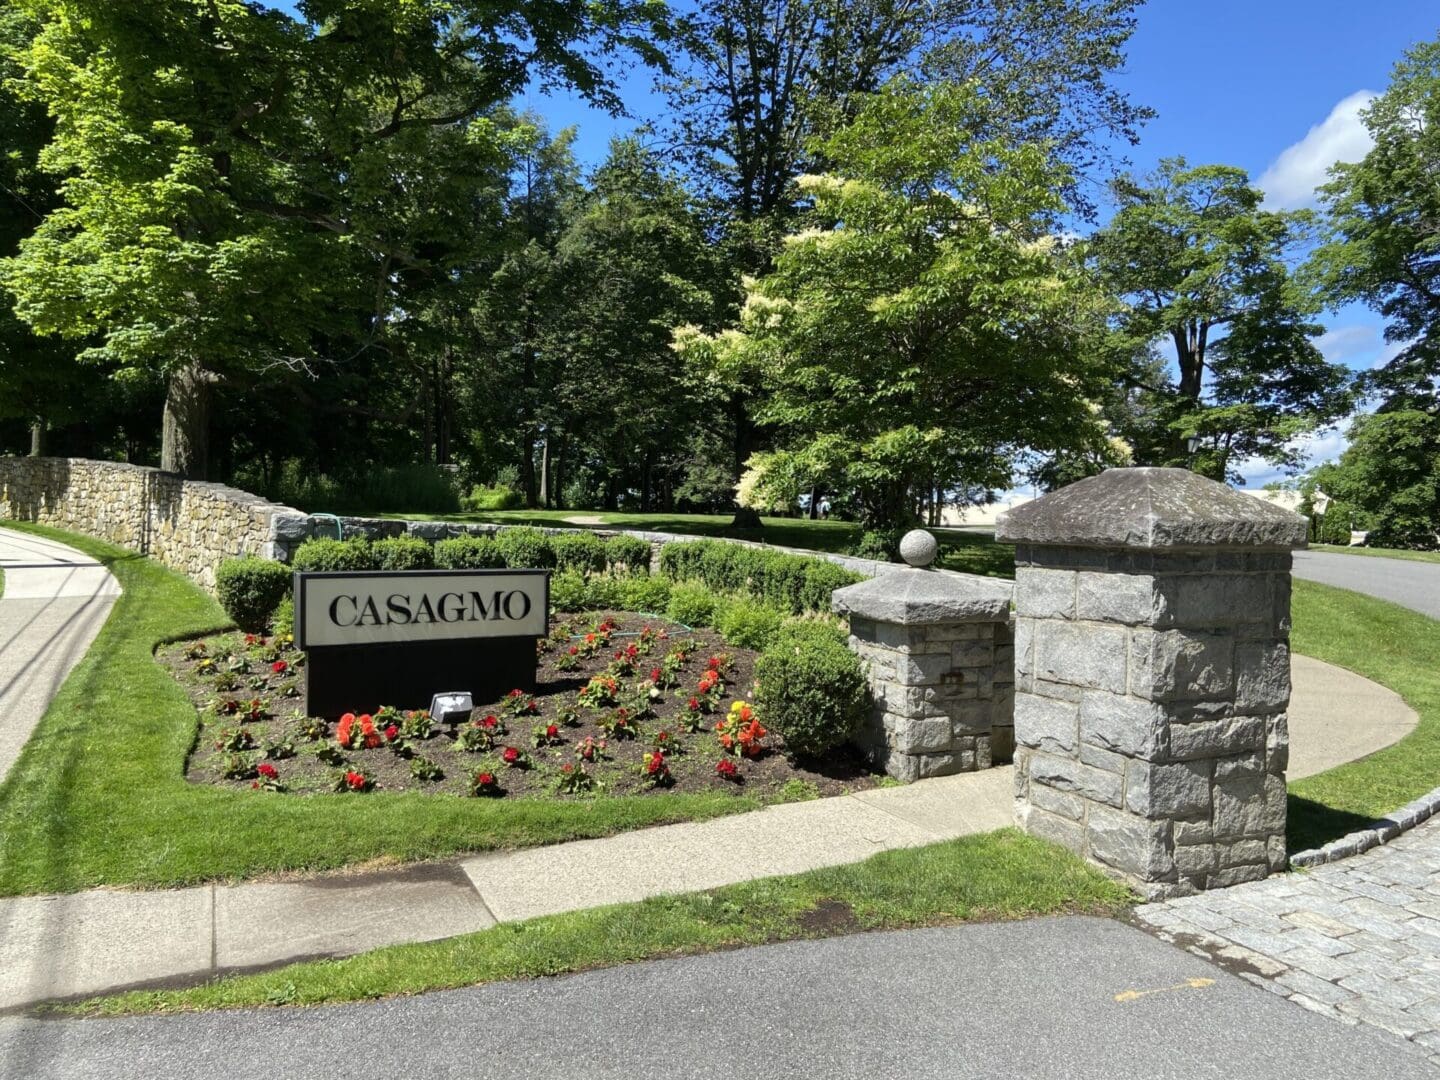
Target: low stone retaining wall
187,525
1380,831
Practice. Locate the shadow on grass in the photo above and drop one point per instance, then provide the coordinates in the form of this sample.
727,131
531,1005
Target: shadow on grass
1311,824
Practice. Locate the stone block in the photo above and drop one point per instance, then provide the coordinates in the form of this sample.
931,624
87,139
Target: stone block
1250,763
1125,725
1131,844
1216,738
1245,808
1195,860
1214,599
1102,759
1119,598
970,717
1181,665
1170,791
972,654
1262,676
1081,654
1059,802
1236,875
1043,724
1067,774
1045,594
923,670
1194,832
923,736
1277,744
428,530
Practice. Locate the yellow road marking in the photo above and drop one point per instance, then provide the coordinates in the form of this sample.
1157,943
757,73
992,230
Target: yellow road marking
1188,984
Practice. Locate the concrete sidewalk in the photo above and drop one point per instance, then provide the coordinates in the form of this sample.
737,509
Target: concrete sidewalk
55,602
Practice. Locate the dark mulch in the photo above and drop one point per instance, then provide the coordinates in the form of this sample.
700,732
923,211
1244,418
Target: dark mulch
232,672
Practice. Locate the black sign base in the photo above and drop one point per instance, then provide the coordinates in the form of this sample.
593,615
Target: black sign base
408,674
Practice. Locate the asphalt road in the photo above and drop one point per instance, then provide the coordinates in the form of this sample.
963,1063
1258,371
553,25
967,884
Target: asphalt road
1415,585
1031,999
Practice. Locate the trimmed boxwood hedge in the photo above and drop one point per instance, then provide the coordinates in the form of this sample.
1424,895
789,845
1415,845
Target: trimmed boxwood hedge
469,553
810,687
792,583
249,590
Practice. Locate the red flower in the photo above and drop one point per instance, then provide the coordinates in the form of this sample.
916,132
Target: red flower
485,779
551,731
392,733
267,770
515,693
655,763
714,663
510,756
355,781
656,674
567,768
249,639
693,704
574,650
726,768
489,721
279,667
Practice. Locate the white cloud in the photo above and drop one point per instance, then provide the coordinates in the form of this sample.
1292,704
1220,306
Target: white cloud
1326,444
1345,343
1291,179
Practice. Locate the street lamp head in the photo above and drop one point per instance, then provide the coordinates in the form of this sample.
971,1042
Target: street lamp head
1192,443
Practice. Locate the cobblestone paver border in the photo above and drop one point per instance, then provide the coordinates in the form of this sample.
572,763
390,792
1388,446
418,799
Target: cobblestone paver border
1377,832
1356,940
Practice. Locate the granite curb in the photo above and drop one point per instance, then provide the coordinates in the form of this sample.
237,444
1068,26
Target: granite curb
1380,831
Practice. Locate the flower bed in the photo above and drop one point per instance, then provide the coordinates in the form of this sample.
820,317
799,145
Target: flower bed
624,704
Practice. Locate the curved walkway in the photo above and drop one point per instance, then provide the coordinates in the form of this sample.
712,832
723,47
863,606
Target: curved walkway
55,601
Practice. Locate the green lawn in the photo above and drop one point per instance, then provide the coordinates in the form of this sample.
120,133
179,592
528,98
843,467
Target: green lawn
98,797
1002,875
960,549
1380,553
1398,648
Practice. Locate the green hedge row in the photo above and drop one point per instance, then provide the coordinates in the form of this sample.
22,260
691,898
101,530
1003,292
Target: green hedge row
792,583
520,548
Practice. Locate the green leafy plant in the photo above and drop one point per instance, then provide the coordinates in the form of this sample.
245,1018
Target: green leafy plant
581,552
237,767
422,768
644,593
628,554
323,554
469,553
810,687
250,589
749,624
526,548
403,553
691,603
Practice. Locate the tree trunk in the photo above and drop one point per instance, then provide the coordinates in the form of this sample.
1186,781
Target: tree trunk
185,426
527,467
37,438
545,472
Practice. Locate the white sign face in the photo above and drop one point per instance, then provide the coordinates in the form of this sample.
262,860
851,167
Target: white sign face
370,608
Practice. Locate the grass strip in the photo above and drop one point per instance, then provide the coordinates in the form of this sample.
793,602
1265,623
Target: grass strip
1397,648
98,796
1000,875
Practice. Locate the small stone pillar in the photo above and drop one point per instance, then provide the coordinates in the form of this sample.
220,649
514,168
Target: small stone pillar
937,649
1152,665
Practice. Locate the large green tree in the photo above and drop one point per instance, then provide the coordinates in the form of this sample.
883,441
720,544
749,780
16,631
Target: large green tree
928,335
1205,269
238,182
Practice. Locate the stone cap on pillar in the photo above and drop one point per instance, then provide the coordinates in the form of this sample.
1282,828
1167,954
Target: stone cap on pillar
1150,509
925,597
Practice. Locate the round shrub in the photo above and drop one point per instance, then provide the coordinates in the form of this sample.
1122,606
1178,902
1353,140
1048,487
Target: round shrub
629,554
747,624
250,589
650,594
691,603
822,578
469,553
404,553
568,592
526,549
810,687
583,552
324,554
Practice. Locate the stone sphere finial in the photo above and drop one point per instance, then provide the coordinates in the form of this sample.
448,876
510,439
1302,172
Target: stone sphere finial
918,548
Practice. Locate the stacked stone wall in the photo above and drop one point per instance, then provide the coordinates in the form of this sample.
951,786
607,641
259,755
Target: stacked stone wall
187,525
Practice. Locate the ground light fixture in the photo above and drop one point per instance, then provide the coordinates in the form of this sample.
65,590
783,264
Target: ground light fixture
451,707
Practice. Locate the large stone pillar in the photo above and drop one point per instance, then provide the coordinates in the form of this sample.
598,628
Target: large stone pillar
937,650
1152,665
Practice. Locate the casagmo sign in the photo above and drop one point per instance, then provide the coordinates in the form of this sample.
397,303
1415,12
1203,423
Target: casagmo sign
397,637
418,605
